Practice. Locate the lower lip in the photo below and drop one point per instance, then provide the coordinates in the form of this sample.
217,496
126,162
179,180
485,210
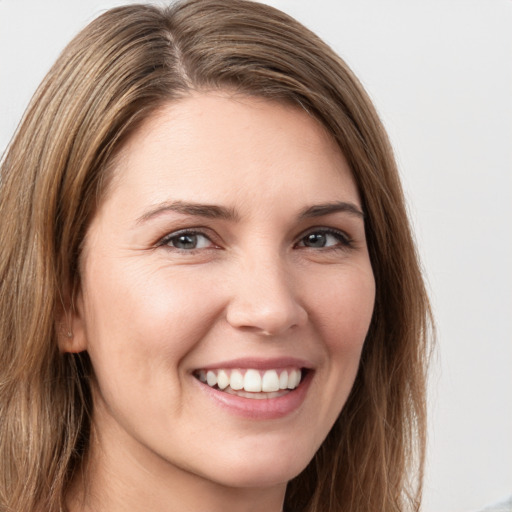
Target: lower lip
263,409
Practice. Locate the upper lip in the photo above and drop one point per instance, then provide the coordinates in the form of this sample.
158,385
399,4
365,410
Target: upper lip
260,363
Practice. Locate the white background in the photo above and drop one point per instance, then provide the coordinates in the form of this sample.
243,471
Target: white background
440,73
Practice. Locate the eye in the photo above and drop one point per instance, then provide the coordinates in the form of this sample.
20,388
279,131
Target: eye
324,238
187,240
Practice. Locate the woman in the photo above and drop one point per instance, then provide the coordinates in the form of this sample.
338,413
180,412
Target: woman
210,296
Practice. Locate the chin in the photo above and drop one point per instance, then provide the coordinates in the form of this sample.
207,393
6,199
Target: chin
262,471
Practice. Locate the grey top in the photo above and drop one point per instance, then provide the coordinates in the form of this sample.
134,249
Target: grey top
504,506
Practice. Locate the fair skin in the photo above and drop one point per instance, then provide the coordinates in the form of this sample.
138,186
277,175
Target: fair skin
231,242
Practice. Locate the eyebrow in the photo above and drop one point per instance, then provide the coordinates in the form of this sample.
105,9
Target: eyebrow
212,211
320,210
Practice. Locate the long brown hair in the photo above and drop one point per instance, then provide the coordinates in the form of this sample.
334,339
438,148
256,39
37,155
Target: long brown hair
114,74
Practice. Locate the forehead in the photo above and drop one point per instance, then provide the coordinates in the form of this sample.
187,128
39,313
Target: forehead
214,147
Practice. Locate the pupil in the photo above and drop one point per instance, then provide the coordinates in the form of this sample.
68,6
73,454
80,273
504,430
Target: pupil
186,241
315,240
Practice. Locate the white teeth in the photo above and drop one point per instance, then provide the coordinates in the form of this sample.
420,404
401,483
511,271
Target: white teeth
251,381
211,378
236,381
270,381
222,380
293,379
283,380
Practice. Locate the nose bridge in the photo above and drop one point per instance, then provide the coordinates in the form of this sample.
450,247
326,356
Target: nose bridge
263,297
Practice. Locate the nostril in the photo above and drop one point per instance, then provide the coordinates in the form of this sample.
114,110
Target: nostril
266,319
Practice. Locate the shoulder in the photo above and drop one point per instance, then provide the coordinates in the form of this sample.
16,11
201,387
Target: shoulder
504,506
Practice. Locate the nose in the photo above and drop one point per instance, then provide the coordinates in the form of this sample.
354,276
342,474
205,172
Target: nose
264,300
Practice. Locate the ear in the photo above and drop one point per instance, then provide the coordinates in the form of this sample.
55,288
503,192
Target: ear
70,323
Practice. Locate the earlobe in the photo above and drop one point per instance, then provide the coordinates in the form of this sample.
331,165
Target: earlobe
70,327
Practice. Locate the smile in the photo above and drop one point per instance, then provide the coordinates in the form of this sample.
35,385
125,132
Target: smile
252,383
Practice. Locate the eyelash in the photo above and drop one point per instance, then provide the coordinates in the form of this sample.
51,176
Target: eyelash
166,240
345,242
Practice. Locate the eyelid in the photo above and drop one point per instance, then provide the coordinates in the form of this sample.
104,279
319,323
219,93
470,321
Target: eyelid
344,238
164,241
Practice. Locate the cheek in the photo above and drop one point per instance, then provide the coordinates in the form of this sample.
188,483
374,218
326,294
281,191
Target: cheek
131,314
344,314
140,326
343,309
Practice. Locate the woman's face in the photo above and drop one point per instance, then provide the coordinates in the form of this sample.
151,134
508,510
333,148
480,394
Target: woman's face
230,248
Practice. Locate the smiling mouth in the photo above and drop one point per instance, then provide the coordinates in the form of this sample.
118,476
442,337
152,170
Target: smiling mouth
252,383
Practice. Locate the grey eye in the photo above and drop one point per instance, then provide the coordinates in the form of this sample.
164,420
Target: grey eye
321,239
189,241
315,240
